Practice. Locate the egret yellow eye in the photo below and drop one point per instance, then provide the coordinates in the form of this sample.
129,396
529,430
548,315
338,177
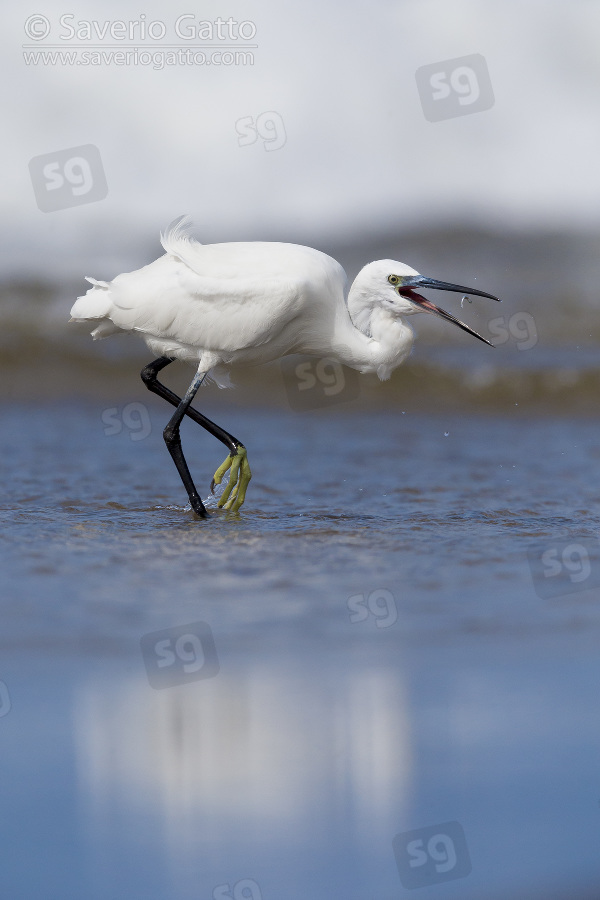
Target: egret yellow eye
393,279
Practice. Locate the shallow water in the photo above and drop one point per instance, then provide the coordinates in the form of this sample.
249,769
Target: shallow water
406,626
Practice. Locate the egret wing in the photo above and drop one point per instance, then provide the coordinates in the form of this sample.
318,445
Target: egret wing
235,297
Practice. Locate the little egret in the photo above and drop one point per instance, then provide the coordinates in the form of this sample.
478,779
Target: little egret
220,305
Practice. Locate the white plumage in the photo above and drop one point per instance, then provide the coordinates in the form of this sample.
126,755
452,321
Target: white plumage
221,305
217,305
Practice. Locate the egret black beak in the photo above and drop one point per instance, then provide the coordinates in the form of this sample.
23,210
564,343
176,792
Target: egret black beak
412,281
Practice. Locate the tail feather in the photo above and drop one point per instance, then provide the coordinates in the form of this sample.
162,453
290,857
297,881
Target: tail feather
96,304
105,300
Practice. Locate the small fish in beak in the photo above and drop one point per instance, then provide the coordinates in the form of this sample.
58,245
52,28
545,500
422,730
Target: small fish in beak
408,282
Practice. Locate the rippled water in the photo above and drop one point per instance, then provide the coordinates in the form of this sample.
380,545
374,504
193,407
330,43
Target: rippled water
389,656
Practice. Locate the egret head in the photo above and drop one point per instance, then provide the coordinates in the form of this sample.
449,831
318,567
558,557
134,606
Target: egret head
391,285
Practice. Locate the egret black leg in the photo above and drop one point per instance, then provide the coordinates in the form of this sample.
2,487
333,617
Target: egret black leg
173,442
149,374
171,433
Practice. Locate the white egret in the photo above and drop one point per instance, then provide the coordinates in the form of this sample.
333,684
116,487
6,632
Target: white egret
220,305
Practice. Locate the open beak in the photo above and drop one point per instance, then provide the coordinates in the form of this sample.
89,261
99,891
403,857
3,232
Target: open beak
411,281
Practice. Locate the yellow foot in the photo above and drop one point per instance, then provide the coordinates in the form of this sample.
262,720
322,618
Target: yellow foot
235,493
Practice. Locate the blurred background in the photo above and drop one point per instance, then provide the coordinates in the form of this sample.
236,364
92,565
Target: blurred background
317,134
462,139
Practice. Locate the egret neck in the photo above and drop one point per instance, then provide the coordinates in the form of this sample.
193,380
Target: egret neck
377,340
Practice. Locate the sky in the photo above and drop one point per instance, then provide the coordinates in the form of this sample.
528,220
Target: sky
348,121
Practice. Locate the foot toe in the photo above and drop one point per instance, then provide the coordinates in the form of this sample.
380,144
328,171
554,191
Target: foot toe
235,492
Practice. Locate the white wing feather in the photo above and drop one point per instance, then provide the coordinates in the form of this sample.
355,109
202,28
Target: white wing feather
222,298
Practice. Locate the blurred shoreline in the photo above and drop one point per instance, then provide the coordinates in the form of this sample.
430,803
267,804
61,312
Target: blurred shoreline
546,331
